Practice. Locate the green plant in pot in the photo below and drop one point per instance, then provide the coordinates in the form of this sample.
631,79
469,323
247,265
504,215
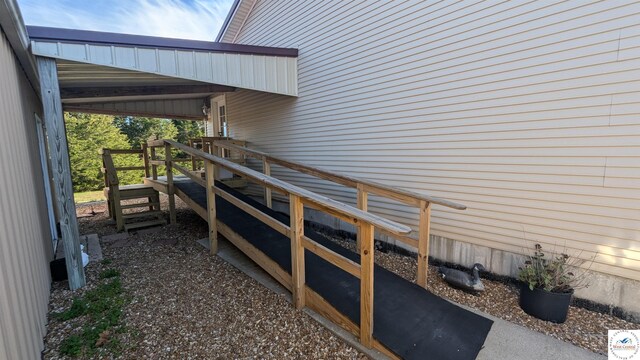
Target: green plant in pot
549,281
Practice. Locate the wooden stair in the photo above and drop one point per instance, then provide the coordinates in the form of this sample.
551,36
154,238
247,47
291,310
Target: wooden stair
128,197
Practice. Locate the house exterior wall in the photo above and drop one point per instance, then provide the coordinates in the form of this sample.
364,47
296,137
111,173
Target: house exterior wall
526,112
25,238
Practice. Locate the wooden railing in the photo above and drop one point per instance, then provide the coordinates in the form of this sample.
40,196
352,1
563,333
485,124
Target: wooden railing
298,197
112,169
364,187
206,144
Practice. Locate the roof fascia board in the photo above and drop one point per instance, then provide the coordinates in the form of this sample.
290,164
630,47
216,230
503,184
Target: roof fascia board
228,19
244,21
13,27
96,37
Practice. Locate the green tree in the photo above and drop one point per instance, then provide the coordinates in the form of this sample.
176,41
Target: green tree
188,129
87,134
140,129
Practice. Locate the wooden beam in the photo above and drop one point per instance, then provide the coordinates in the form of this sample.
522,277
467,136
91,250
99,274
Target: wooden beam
366,284
332,257
58,150
296,213
195,178
115,91
211,207
170,188
423,243
266,169
145,160
268,220
362,202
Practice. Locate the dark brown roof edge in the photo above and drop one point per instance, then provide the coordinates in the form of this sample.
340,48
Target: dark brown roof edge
98,37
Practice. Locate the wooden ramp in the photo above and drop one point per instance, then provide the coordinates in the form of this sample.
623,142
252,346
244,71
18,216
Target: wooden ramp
406,321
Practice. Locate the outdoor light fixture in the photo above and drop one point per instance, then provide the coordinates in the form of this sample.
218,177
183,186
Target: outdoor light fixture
206,110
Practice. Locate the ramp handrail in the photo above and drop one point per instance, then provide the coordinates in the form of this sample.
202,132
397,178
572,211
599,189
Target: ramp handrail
364,187
365,222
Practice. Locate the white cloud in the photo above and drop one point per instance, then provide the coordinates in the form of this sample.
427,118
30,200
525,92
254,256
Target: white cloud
186,19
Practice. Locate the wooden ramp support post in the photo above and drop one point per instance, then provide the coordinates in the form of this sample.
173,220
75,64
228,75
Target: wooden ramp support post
423,243
296,213
211,207
170,189
363,199
365,233
266,169
145,159
54,122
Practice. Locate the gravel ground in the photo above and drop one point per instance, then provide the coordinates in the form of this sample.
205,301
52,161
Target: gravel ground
188,304
584,328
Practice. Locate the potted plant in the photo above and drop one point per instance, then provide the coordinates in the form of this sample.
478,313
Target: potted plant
548,284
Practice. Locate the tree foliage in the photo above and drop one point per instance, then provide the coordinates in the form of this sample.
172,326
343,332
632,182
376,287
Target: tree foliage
87,134
188,129
140,129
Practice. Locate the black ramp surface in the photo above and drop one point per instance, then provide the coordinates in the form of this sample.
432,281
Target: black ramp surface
409,320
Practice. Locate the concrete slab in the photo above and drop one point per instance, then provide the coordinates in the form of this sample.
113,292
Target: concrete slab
510,341
94,250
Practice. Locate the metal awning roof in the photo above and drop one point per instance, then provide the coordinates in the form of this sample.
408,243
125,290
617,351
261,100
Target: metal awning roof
99,67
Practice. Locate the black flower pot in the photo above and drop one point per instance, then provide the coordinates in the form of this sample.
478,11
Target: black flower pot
545,305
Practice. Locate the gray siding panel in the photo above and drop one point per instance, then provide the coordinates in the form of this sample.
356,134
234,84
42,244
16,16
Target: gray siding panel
25,240
527,112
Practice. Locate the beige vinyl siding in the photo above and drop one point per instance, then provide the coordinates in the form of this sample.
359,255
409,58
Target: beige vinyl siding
25,239
527,112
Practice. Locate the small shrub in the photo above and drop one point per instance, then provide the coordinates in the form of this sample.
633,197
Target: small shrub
78,308
109,273
103,306
558,272
71,346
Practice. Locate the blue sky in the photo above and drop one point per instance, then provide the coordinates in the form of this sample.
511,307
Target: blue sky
186,19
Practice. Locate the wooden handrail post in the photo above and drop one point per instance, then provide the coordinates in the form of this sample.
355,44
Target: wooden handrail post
423,243
363,200
145,159
154,167
168,160
266,169
193,158
365,233
296,213
211,207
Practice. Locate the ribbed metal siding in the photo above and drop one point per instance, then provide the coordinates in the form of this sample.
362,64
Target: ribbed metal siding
190,109
25,241
275,74
527,112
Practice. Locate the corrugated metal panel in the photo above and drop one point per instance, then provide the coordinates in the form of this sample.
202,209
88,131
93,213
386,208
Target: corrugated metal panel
239,70
190,109
25,241
527,112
